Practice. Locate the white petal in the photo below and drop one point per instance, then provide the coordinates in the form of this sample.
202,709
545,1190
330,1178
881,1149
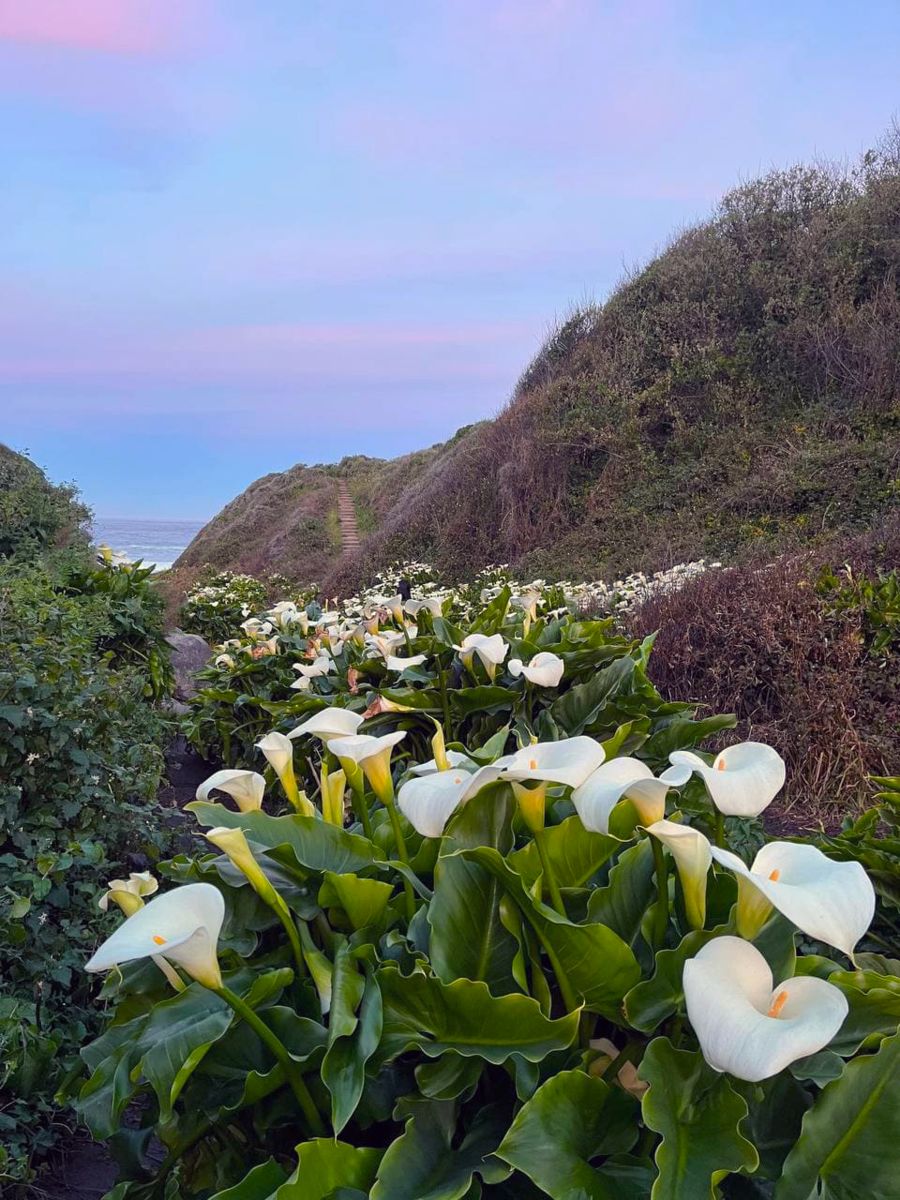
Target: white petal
278,751
428,801
833,902
596,798
545,670
396,663
743,780
329,723
454,758
728,992
246,788
515,667
361,746
569,762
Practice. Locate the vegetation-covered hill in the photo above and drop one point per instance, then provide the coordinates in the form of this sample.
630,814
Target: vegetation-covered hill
36,516
741,392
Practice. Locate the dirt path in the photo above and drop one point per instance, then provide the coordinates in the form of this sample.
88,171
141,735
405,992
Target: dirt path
347,517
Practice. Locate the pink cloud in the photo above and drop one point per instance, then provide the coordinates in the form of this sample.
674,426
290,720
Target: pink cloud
108,26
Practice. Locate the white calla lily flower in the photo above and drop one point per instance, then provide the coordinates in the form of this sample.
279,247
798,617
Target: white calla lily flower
743,780
693,857
613,781
455,760
833,902
181,926
429,801
431,604
323,664
491,650
746,1026
396,663
329,723
544,670
568,762
373,754
246,788
279,752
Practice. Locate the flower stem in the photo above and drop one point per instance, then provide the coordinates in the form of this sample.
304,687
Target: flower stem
445,700
402,853
549,874
275,1044
661,921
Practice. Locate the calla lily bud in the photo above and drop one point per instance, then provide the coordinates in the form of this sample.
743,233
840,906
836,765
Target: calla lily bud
439,747
693,856
532,801
333,785
234,844
129,893
373,755
280,754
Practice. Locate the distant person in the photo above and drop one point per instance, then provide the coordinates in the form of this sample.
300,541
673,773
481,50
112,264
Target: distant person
404,589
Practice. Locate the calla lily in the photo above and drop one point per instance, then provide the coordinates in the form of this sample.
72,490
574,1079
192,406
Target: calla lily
455,760
596,798
744,1024
329,723
129,893
743,779
528,602
182,926
303,684
833,902
544,670
491,650
224,660
279,752
431,604
386,643
395,663
246,788
333,786
568,762
693,856
323,664
373,754
428,801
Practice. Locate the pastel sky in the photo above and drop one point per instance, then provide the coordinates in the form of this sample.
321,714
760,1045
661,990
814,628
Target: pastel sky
239,234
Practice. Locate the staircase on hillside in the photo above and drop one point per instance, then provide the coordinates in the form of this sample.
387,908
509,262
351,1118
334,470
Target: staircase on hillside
347,518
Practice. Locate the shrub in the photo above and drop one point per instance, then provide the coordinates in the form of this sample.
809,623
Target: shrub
37,516
80,763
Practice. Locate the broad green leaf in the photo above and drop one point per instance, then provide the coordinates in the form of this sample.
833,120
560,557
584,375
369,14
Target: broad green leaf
484,698
631,890
258,1184
448,1076
847,1147
316,845
777,1106
653,1000
591,963
574,852
363,900
570,1121
344,1065
426,1163
874,1008
579,706
491,616
420,1012
468,939
326,1166
682,734
698,1114
420,699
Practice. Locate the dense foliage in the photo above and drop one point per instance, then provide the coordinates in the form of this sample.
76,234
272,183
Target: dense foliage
36,516
81,659
505,968
220,601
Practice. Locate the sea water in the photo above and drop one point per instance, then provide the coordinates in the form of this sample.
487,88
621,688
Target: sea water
149,539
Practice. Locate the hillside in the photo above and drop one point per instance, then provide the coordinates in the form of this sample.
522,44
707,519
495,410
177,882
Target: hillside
739,394
37,517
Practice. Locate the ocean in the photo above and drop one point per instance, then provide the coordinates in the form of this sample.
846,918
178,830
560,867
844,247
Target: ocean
148,539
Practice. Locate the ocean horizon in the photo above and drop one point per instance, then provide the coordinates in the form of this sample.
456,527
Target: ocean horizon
148,539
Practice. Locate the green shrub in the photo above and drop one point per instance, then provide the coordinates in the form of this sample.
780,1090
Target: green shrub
80,763
36,516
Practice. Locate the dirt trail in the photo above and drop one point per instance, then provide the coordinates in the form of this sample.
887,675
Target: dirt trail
347,517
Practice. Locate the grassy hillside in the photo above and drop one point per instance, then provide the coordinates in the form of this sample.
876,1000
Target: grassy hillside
741,393
37,517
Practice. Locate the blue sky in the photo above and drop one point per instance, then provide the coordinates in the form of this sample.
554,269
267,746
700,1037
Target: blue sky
241,234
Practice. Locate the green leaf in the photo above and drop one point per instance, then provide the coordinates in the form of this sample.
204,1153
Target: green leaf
257,1185
449,1076
363,900
316,845
423,1013
847,1145
682,733
579,706
653,1000
698,1114
570,1121
344,1066
424,1163
874,1008
325,1166
631,890
591,963
487,698
574,852
468,938
491,616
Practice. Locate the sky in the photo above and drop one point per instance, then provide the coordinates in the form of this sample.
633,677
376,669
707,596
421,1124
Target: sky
240,234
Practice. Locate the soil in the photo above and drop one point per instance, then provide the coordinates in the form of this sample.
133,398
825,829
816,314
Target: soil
86,1173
